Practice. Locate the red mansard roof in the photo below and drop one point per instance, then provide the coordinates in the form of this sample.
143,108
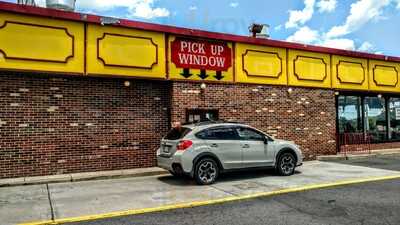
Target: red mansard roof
74,16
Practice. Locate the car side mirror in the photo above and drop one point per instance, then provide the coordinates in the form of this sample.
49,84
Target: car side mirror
265,140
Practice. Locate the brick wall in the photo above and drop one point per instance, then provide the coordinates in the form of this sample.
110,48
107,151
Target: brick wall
306,116
54,125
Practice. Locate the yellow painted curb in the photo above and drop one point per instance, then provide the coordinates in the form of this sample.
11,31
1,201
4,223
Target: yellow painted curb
210,202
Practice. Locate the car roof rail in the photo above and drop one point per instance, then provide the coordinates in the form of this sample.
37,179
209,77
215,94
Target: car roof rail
208,122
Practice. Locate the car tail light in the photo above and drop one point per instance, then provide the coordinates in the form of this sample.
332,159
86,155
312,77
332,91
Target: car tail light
183,145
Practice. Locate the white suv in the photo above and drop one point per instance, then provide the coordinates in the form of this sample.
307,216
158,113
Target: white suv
203,150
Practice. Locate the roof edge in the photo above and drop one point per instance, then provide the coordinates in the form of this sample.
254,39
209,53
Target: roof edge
75,16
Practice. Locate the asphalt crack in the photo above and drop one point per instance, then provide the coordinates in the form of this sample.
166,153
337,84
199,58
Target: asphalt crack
50,202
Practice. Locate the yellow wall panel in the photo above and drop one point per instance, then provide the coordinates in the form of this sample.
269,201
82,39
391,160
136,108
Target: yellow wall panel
309,69
194,74
125,52
349,73
41,44
384,76
260,64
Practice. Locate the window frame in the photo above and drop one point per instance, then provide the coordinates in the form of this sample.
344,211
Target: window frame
252,129
386,96
202,113
236,138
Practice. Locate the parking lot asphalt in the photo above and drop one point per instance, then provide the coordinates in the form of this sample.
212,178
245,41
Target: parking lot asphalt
79,201
366,203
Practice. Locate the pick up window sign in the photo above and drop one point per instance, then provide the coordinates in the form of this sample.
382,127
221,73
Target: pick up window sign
200,54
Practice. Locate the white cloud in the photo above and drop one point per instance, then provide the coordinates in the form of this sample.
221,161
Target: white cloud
136,8
304,35
234,4
277,28
341,43
361,12
307,35
398,4
366,47
326,5
193,8
300,17
41,3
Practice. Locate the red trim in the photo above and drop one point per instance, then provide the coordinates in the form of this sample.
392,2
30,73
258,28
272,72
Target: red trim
29,10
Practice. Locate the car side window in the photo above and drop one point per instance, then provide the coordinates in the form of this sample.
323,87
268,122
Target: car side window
218,133
249,134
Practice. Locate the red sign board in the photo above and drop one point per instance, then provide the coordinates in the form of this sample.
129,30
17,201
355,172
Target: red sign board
200,54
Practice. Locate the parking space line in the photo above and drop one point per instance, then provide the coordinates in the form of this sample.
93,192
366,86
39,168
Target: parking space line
211,202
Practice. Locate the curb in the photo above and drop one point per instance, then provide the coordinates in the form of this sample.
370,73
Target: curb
75,177
210,202
332,158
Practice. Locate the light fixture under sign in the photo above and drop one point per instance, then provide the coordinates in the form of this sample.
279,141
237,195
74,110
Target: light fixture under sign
127,83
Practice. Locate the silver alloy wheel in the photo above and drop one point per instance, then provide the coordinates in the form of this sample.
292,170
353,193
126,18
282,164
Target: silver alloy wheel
287,164
207,172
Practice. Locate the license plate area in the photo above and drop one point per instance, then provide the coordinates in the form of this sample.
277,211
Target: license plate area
166,149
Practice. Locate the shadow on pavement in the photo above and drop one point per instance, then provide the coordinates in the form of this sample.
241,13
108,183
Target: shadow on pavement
224,177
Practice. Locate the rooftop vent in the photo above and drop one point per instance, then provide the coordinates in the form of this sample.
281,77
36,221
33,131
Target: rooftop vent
27,2
66,5
259,30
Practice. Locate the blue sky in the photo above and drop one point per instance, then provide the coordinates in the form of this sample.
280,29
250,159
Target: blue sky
364,25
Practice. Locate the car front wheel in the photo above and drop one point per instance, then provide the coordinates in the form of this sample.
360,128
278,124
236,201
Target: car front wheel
286,164
206,171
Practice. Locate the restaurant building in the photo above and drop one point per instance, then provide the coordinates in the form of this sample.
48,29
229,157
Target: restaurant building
81,93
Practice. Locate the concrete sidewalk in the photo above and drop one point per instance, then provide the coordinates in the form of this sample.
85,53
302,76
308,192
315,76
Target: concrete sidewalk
73,177
355,156
74,199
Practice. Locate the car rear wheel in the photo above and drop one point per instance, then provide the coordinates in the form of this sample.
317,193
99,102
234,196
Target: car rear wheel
206,171
286,164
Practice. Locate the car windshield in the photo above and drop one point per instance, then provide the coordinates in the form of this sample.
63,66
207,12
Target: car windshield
177,133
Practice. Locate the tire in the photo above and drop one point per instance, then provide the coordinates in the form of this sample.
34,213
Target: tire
286,164
206,171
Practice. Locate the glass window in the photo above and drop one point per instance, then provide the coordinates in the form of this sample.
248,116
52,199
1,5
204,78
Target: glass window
220,133
394,121
349,113
249,134
201,115
375,118
177,133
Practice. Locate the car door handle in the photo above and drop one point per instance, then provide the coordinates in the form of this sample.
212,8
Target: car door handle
214,145
246,146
